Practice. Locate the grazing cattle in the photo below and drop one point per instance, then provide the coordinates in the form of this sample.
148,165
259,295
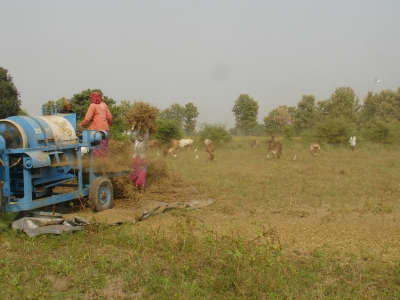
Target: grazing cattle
207,142
314,150
210,150
275,147
273,139
186,142
154,144
171,148
255,143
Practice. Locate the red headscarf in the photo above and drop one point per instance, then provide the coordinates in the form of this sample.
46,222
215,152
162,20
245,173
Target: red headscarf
95,98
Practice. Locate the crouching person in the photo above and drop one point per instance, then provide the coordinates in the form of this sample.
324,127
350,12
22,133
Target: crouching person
140,139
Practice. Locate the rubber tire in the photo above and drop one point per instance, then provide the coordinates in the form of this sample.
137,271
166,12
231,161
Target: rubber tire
101,194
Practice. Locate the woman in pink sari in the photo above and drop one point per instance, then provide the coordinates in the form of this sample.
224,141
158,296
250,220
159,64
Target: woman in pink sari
140,139
101,118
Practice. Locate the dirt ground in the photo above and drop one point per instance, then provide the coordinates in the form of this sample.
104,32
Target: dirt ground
300,229
128,203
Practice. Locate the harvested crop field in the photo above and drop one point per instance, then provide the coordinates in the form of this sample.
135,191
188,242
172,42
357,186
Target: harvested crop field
347,220
278,229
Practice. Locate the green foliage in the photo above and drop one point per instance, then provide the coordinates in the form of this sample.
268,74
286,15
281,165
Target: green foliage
120,122
54,106
306,114
175,113
9,96
167,130
384,106
272,127
185,116
334,131
23,112
216,132
245,111
382,132
258,130
288,131
343,103
189,116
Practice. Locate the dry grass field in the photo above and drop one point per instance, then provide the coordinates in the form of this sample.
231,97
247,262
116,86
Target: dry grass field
279,229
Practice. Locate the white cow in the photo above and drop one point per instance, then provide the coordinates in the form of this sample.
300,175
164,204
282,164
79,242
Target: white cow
186,142
207,142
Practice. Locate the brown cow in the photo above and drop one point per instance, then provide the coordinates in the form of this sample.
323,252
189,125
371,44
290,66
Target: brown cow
314,150
275,147
171,148
210,150
273,139
154,144
255,143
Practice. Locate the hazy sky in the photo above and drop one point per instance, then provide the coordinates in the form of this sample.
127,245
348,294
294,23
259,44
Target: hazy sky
204,52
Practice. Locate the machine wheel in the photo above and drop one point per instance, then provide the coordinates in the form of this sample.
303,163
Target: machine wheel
101,194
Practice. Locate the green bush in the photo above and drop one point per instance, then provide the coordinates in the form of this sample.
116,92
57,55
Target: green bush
381,132
217,133
168,130
334,131
288,132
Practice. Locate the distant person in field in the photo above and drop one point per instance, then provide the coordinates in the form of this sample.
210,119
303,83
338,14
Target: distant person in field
101,118
140,138
67,109
352,142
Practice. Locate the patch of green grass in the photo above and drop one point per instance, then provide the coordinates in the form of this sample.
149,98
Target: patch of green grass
6,219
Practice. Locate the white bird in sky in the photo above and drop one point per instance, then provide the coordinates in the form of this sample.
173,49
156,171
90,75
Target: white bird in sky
377,80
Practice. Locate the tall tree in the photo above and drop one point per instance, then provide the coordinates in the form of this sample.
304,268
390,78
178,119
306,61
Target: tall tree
277,119
9,96
384,106
305,115
189,117
175,113
245,111
343,103
282,116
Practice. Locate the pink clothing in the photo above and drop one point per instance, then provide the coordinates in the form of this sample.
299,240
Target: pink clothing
138,172
102,152
100,115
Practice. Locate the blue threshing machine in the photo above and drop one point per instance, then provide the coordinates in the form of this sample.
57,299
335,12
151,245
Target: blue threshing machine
39,154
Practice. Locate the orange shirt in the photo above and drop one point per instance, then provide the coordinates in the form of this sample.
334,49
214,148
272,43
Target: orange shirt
100,115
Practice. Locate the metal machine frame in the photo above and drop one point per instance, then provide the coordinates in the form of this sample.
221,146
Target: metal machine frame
38,154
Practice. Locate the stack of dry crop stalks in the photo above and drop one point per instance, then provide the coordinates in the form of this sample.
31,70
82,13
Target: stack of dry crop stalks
142,116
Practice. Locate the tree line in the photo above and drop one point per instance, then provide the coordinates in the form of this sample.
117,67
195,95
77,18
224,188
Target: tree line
331,120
